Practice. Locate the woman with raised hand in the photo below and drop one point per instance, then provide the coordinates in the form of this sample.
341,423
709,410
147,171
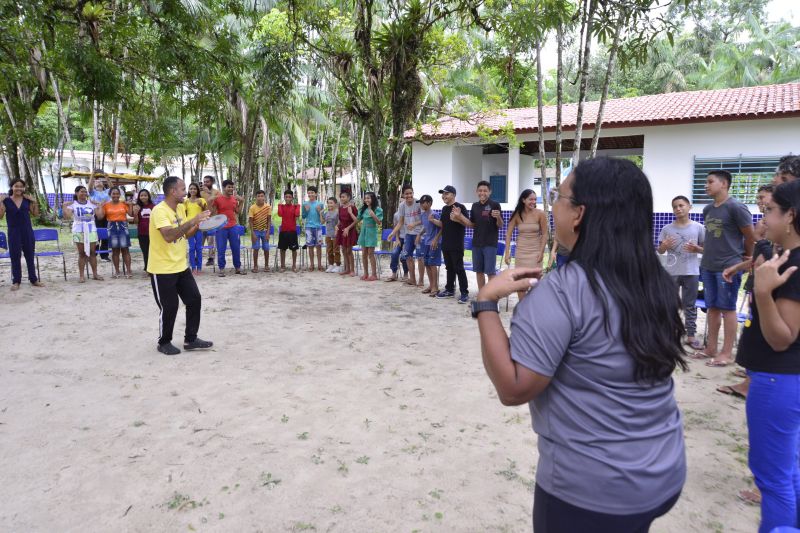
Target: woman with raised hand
592,350
20,206
532,234
770,351
84,232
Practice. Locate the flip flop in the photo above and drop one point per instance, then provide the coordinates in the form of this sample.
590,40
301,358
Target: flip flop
426,291
750,496
695,345
699,356
241,272
718,363
740,373
730,391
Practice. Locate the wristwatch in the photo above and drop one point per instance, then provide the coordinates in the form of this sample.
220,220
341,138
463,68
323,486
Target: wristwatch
479,307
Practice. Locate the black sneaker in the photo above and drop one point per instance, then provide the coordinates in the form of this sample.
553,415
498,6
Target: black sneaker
210,262
445,294
197,344
168,349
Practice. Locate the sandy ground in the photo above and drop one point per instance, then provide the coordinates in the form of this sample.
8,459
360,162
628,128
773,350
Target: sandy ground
326,405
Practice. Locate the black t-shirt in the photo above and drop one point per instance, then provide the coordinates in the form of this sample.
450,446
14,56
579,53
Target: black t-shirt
486,230
452,232
754,353
762,248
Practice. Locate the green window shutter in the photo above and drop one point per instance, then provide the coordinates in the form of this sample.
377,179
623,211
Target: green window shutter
749,173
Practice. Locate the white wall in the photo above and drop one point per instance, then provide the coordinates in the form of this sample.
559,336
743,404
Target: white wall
431,169
467,172
668,153
669,150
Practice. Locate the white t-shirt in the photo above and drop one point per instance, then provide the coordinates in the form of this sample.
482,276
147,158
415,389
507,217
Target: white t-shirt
83,217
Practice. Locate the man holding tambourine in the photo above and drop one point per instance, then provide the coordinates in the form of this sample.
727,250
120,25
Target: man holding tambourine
170,274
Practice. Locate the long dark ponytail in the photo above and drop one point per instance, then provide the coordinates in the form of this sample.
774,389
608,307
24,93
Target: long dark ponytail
615,245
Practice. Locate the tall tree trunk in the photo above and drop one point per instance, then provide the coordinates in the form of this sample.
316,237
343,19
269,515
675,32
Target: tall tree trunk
559,100
540,113
612,56
584,80
63,116
95,136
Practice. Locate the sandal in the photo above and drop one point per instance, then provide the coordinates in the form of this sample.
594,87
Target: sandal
750,496
128,276
387,280
98,278
718,363
740,373
372,278
15,287
241,272
37,284
730,391
82,280
699,356
254,270
221,274
696,344
426,291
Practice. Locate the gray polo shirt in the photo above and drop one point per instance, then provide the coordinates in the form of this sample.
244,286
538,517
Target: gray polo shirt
607,442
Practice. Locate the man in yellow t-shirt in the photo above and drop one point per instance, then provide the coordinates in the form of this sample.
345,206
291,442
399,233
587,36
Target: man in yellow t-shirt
260,219
170,275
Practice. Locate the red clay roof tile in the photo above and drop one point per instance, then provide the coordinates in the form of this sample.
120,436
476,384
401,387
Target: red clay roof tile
745,103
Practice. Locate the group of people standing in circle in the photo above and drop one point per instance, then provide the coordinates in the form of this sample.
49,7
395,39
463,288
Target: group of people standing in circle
594,344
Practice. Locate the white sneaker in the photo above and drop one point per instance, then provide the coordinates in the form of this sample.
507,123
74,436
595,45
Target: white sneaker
338,269
329,269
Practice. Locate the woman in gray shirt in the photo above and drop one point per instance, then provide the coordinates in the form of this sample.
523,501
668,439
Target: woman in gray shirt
592,350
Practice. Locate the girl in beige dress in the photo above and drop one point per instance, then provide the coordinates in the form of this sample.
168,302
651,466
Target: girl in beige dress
532,227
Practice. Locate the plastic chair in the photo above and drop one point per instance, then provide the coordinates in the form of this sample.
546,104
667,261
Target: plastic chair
4,246
49,235
240,232
468,246
379,254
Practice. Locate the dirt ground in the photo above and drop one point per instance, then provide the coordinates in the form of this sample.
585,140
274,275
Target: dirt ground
327,404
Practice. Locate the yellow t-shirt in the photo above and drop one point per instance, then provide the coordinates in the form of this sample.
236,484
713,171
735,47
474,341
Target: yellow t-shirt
260,215
193,209
167,257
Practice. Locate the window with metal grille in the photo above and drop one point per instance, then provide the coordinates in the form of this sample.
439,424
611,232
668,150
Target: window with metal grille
749,173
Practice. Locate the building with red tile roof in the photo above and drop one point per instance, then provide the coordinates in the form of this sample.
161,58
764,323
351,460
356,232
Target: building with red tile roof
678,135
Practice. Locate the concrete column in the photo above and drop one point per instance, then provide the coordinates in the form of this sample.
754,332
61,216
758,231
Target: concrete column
512,183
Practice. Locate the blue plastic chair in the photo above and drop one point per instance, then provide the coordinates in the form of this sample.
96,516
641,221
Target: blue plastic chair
4,246
383,253
49,235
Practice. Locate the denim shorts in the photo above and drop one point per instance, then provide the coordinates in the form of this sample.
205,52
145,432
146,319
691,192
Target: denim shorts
409,244
118,236
484,260
313,236
433,256
718,293
260,240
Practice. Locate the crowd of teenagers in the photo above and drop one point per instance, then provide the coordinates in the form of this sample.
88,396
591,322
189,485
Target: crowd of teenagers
596,367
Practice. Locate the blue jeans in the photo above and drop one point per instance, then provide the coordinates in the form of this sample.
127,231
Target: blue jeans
196,251
225,236
398,255
773,421
718,293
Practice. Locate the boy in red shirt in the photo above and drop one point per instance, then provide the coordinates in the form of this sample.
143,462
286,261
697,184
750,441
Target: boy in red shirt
287,238
229,205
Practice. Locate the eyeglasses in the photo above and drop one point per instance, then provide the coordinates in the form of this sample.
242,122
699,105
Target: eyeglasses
554,195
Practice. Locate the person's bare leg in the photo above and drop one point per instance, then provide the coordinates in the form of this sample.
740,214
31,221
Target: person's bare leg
294,260
365,263
126,257
82,260
421,273
481,279
283,260
412,275
266,260
729,326
255,259
319,257
714,318
115,260
93,261
311,259
373,263
433,279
